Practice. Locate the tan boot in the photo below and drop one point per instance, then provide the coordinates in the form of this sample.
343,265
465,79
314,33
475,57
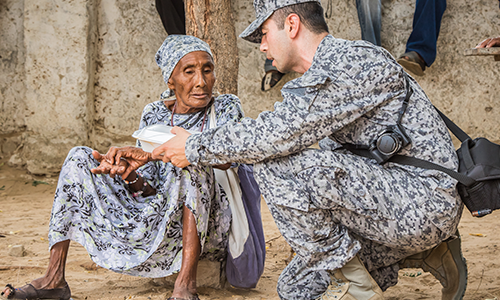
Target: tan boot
446,263
353,282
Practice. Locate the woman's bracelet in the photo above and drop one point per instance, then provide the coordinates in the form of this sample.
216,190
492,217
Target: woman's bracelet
134,181
138,193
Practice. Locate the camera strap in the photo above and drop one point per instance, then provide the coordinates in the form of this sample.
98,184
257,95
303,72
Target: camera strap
409,92
363,150
420,163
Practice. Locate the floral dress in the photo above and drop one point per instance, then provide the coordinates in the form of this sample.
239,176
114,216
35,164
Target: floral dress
142,236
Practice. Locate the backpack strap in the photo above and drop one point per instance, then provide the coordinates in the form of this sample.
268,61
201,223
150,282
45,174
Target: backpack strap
457,131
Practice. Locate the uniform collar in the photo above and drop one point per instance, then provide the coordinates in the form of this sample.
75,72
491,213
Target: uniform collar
321,67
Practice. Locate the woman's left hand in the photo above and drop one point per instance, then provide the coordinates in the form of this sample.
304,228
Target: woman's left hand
174,150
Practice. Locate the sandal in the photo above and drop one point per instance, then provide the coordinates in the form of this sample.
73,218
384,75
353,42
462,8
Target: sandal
412,62
194,297
29,292
271,78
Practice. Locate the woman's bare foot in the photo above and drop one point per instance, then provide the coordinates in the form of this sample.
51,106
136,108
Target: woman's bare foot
184,288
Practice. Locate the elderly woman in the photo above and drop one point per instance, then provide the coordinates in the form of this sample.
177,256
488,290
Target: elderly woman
159,219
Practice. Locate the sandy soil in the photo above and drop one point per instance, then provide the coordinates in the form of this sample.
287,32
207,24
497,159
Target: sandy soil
25,204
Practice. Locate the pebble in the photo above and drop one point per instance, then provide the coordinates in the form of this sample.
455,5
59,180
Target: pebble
17,251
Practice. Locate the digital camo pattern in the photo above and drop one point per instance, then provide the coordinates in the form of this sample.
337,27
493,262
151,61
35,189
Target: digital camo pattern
142,236
172,50
263,10
350,209
328,203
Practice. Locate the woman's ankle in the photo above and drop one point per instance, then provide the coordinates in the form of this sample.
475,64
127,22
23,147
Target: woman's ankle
185,285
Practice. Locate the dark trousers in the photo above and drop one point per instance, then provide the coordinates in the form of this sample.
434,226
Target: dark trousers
426,26
172,15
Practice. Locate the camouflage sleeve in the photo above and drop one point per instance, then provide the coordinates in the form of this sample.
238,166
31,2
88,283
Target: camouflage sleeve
310,111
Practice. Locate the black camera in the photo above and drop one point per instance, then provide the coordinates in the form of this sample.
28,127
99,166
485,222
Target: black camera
388,143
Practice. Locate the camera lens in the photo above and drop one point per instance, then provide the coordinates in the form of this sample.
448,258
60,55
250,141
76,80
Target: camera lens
387,144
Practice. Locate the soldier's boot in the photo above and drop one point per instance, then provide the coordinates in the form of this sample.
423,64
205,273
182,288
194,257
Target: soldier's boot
352,282
446,263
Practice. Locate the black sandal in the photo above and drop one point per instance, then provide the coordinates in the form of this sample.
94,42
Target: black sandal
29,292
412,62
194,297
271,78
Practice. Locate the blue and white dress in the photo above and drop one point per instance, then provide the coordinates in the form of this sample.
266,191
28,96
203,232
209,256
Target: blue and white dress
142,236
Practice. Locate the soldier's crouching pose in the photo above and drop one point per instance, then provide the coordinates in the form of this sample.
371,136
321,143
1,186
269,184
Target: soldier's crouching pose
334,207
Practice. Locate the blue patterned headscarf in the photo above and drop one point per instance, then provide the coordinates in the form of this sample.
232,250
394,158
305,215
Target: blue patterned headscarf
172,50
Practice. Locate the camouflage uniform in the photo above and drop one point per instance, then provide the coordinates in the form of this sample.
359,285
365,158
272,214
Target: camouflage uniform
328,203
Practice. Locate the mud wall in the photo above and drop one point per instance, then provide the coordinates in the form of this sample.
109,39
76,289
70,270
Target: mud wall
79,72
12,76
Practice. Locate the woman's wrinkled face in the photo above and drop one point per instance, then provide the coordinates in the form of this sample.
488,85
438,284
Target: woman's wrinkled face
192,81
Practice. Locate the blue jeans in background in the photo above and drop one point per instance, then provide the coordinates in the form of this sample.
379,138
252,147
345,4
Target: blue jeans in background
426,26
370,18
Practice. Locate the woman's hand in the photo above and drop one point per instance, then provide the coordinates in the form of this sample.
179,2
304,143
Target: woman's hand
106,167
174,150
490,42
134,156
120,160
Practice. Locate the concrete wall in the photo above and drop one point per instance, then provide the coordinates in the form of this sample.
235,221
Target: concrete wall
12,78
58,72
465,88
79,72
127,77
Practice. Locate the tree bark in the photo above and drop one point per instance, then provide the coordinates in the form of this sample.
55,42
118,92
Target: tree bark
212,21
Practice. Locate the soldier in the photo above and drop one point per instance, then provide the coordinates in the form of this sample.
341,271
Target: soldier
352,220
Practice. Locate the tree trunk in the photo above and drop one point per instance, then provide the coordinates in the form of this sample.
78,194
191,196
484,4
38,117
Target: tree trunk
212,21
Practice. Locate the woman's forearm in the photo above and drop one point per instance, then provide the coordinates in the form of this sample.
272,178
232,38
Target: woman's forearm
138,185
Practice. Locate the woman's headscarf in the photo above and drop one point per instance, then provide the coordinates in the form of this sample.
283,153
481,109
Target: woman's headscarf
172,50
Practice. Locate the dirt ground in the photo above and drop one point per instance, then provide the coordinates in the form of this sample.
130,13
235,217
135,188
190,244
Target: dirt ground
25,205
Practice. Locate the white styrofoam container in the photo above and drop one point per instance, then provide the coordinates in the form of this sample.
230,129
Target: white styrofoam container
153,136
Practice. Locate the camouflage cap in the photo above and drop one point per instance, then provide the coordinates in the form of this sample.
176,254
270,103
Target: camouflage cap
173,49
263,10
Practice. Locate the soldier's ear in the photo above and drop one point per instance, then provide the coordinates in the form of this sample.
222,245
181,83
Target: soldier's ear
292,25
